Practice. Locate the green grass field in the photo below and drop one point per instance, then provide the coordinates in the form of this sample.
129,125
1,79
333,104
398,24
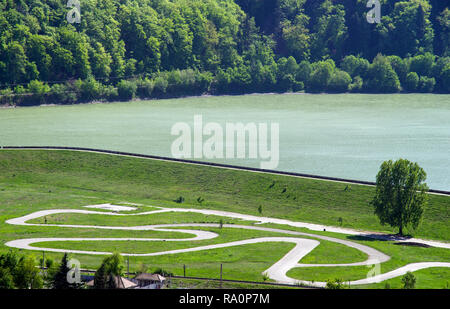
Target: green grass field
38,180
59,179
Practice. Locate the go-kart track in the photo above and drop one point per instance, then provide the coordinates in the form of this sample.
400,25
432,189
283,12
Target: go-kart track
277,271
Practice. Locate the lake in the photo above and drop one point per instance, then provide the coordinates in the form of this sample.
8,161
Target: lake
345,135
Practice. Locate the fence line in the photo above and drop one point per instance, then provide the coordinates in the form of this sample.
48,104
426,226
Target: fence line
90,271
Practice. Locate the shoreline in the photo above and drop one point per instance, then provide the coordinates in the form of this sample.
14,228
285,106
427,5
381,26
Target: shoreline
220,96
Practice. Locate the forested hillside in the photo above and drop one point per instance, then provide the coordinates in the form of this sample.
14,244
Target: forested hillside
161,48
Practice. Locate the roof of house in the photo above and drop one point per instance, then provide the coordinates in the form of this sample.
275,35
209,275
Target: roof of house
120,282
150,277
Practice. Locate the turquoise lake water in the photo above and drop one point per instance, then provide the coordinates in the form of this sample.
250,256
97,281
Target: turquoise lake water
345,136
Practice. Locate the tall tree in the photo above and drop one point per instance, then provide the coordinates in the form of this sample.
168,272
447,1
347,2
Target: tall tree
17,62
401,194
59,280
111,268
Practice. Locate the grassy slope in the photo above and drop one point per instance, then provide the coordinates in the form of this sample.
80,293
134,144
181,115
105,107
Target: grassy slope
35,180
53,176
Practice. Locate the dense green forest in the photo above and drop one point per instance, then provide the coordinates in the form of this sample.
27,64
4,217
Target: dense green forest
168,48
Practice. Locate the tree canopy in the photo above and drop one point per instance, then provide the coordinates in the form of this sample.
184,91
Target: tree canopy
401,194
110,268
232,46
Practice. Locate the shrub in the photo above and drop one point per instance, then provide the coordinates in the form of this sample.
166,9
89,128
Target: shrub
339,81
60,94
20,90
445,78
320,76
6,279
110,93
298,86
160,86
204,81
422,64
441,73
222,81
145,88
355,66
39,90
90,90
357,84
126,90
409,280
6,91
7,97
286,83
304,70
241,79
335,284
179,200
412,81
381,78
400,67
426,84
163,272
188,82
48,263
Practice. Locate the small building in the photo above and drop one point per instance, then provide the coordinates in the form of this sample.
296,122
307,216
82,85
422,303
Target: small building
120,283
149,281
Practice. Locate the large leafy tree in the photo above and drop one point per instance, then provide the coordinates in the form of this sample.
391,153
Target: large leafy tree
19,272
16,62
401,194
26,274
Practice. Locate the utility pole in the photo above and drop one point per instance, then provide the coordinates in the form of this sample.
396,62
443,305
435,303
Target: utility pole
220,275
128,266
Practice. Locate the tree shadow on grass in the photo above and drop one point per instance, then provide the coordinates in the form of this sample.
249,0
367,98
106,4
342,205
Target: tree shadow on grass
378,237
